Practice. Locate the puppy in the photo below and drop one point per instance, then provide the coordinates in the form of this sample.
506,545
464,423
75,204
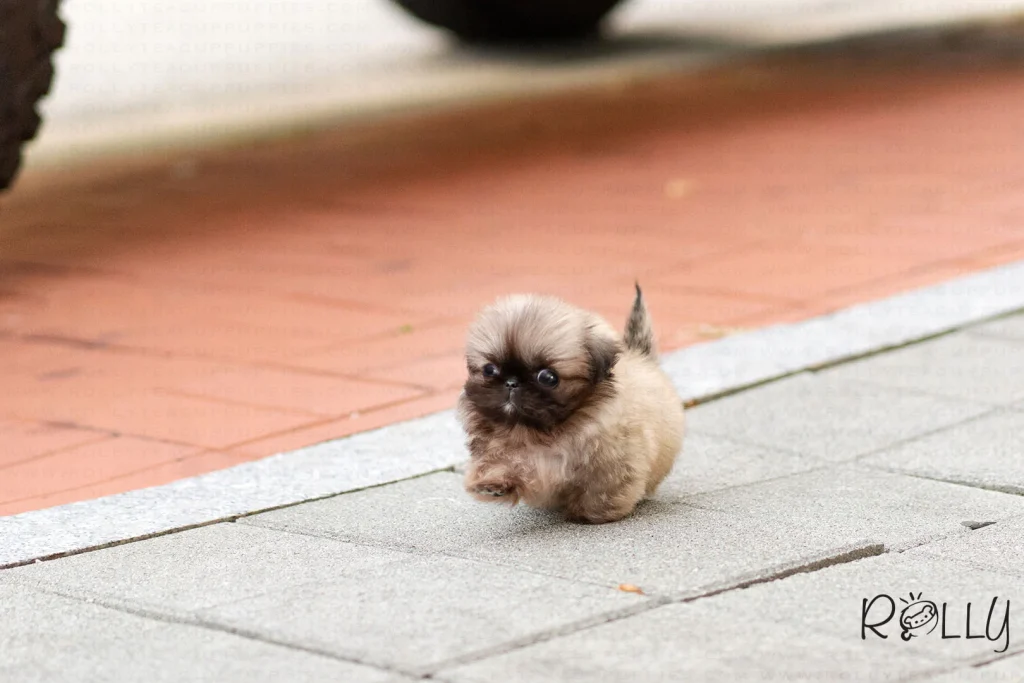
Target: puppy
563,413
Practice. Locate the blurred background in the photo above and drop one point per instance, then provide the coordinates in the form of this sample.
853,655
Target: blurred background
142,73
248,227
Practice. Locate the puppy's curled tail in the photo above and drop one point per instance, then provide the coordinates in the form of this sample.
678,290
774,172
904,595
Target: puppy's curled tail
639,336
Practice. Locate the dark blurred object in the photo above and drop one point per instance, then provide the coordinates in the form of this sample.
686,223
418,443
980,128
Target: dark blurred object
513,21
30,30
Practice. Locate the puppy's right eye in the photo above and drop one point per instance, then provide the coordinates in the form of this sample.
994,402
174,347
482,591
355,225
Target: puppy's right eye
491,370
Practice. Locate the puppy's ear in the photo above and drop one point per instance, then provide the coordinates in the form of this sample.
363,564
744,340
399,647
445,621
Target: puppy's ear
603,353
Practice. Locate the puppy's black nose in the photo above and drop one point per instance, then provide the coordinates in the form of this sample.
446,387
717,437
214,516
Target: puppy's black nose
512,383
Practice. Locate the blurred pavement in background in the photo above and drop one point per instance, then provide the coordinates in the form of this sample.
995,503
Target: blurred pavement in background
136,74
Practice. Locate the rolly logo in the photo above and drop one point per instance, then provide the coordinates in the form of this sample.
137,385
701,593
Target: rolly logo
920,617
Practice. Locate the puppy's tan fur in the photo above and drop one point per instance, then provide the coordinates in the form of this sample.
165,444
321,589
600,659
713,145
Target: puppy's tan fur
593,446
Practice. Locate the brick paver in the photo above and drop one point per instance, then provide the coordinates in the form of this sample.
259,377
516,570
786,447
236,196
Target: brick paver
171,317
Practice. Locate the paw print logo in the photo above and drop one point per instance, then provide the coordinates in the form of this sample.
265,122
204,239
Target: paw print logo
918,618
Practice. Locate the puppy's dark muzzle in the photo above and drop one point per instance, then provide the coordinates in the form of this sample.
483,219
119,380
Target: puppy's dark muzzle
512,390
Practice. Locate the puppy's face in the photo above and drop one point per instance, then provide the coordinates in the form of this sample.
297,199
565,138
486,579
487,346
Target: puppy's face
534,361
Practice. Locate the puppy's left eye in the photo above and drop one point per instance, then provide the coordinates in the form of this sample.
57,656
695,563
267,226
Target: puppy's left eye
547,378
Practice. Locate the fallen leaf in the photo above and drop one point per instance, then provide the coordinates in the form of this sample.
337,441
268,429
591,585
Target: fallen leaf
630,588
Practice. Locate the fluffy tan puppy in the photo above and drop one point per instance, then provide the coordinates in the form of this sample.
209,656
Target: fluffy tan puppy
563,413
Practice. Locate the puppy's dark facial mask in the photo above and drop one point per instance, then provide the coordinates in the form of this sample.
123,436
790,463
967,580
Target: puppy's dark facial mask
539,392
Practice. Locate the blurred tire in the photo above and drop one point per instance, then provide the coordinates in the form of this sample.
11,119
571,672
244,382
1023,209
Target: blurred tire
513,21
30,31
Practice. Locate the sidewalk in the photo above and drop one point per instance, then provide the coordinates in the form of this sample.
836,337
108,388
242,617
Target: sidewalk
180,316
791,505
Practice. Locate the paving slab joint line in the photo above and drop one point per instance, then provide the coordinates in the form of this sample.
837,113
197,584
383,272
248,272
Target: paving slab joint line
609,617
917,391
123,349
985,660
220,520
418,552
179,618
111,544
327,496
779,450
1008,490
842,556
857,459
854,554
919,543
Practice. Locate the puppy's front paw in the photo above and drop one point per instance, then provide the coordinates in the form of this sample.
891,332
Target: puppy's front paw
493,490
491,484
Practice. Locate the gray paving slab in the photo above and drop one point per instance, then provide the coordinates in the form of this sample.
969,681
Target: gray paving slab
421,612
972,367
668,549
987,452
54,639
805,627
751,531
677,644
693,642
1011,327
709,463
847,500
828,418
431,513
998,547
193,569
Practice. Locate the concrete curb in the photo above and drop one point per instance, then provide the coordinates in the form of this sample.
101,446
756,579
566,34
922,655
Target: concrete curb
435,442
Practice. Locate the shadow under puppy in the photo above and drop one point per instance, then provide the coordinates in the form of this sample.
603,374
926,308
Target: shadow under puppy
563,413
